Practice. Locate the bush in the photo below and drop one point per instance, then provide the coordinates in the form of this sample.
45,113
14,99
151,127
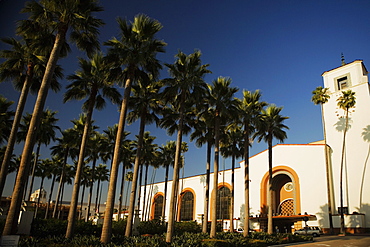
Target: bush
187,226
151,227
119,227
48,227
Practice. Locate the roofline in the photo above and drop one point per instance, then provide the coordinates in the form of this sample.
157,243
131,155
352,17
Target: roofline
282,144
357,60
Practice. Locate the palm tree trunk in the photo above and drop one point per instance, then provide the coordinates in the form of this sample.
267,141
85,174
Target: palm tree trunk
82,201
80,165
246,181
90,190
165,194
11,222
342,225
328,175
206,199
269,201
107,224
146,215
121,192
61,179
215,179
232,194
139,186
96,210
175,181
50,196
38,199
135,178
13,133
145,184
33,170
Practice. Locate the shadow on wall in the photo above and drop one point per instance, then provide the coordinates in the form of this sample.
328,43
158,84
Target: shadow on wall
323,216
242,215
341,124
366,137
365,209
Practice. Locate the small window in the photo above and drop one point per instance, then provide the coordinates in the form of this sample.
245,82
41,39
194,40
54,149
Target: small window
342,82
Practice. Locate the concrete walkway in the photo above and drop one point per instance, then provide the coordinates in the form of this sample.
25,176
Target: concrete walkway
335,241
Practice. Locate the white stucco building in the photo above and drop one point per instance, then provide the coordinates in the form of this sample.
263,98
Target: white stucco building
303,183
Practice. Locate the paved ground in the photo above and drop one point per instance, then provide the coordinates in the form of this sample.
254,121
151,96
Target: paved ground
337,241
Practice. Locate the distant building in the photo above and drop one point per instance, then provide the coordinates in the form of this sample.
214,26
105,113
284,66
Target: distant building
303,183
35,196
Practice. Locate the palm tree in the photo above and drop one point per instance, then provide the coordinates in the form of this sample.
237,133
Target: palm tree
6,117
320,97
86,177
126,155
101,174
204,134
44,170
145,106
149,158
58,16
91,82
346,101
222,104
25,65
249,107
46,134
271,126
136,51
167,153
64,149
186,85
232,146
57,166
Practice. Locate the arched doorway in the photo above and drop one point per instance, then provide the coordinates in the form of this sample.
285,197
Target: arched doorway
286,203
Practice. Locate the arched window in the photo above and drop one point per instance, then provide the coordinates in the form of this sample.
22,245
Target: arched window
187,206
158,204
223,203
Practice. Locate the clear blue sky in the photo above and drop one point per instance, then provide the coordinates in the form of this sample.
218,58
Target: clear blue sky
279,47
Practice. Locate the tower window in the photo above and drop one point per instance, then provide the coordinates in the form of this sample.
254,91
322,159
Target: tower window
342,82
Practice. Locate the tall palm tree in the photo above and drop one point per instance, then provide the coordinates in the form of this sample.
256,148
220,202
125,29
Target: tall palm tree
149,158
320,97
249,108
25,66
57,166
204,134
101,174
271,126
44,170
145,106
167,153
6,117
91,82
346,101
64,148
182,89
45,134
59,16
126,156
220,98
232,146
136,51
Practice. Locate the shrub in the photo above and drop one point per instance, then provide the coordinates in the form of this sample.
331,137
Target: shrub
151,227
119,227
187,226
48,227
